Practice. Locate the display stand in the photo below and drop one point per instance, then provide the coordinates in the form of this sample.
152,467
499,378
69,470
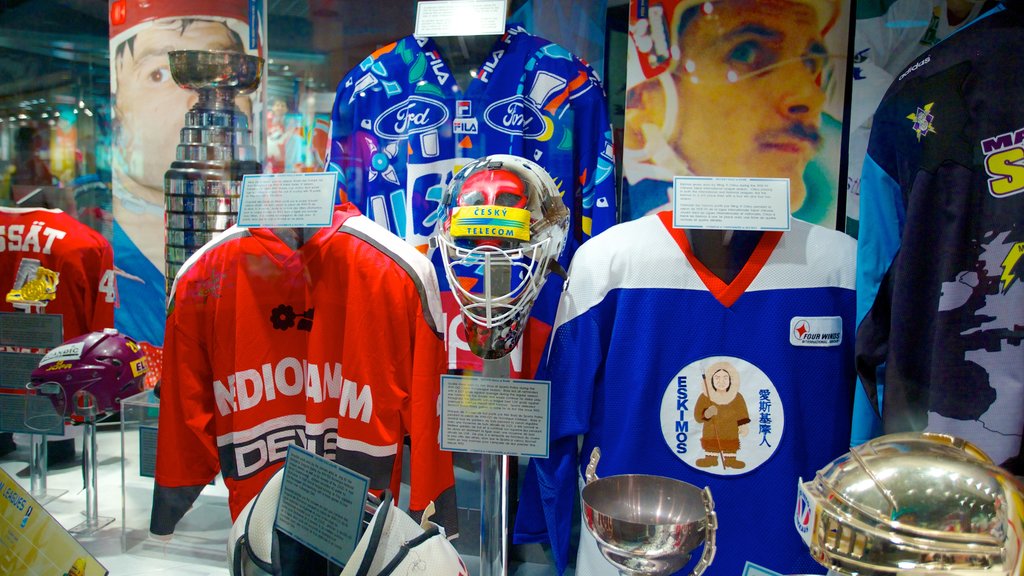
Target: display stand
494,469
201,533
494,495
38,469
93,521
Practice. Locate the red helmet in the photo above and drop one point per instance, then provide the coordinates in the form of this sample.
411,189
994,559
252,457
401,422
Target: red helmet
95,371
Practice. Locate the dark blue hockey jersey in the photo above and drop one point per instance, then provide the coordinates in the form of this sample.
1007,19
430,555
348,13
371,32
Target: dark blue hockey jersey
401,125
941,243
647,339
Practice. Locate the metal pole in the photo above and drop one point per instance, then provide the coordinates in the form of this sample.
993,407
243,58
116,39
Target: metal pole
494,469
37,466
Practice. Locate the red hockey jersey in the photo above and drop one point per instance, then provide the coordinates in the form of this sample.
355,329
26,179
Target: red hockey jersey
334,346
86,292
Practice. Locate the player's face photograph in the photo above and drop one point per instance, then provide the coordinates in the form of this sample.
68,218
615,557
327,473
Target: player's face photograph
149,107
749,89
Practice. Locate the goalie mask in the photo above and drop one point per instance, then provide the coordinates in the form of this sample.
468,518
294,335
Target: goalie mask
86,377
913,503
503,228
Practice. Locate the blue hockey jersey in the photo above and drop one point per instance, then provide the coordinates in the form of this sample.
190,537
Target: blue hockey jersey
401,125
941,244
647,339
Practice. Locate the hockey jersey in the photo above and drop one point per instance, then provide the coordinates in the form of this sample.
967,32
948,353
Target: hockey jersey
86,292
401,126
646,337
269,346
885,43
940,303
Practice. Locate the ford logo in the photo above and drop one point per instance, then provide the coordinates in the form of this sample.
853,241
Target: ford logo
416,114
515,116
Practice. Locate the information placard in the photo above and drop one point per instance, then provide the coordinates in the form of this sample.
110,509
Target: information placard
26,413
16,368
730,203
495,415
321,504
147,451
293,200
460,18
31,330
33,542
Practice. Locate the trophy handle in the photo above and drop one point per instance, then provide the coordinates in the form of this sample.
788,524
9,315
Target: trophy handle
591,474
709,535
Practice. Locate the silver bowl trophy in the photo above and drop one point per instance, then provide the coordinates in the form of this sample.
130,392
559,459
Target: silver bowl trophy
648,524
202,187
913,504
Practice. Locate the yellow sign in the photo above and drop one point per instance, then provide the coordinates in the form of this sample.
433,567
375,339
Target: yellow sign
32,542
491,222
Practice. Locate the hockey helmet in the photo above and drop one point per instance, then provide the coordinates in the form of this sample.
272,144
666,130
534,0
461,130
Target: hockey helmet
87,376
503,228
913,503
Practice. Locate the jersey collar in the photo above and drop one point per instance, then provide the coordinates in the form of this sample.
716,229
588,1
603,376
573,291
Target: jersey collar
726,294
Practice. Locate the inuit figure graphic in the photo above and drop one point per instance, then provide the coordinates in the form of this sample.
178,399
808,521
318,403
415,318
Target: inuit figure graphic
722,412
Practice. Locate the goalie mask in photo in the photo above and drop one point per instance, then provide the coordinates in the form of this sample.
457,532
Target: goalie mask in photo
913,504
503,228
86,377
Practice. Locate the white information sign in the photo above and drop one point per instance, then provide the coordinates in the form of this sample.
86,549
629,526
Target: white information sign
495,415
730,203
460,18
299,200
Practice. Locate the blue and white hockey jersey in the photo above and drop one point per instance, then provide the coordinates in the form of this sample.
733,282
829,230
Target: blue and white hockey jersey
647,339
941,244
401,125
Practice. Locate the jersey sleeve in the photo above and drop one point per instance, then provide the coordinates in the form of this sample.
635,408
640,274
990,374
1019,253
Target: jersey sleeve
881,224
343,153
550,487
595,159
186,456
105,285
432,476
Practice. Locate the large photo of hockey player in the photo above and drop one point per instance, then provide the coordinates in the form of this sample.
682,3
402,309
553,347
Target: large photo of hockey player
735,88
148,115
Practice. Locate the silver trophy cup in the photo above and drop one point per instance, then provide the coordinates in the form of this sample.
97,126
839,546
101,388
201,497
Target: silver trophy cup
202,186
648,524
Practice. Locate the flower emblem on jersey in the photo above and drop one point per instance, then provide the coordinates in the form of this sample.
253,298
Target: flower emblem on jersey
923,119
381,161
284,316
722,415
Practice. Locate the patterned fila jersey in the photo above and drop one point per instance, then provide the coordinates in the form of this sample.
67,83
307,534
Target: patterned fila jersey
742,387
31,238
268,346
940,304
401,126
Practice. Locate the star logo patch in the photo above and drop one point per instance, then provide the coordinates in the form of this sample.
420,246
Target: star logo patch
923,119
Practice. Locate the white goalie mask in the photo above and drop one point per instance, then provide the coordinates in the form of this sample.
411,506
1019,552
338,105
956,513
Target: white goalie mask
913,504
503,228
